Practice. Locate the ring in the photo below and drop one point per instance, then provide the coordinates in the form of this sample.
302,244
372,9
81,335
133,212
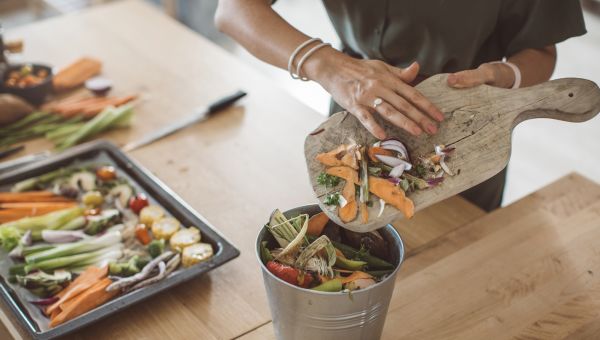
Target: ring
377,102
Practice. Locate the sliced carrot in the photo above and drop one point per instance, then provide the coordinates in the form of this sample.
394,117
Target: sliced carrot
380,187
375,150
76,74
95,296
392,195
348,212
344,172
84,281
317,223
32,205
31,196
333,157
12,214
356,275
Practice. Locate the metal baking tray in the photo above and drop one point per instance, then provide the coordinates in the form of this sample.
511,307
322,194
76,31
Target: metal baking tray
103,152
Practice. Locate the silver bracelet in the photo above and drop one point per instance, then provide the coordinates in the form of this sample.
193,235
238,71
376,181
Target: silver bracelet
515,70
293,56
305,57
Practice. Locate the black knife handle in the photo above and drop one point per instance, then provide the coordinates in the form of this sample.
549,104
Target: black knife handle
225,102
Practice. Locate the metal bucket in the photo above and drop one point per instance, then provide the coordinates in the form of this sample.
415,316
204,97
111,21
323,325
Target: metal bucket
306,314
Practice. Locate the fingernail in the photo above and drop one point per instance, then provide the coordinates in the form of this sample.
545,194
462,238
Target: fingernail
417,131
440,116
431,128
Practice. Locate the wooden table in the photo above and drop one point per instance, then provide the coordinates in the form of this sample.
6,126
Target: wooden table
234,169
528,270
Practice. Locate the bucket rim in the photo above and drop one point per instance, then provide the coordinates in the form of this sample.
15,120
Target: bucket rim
392,275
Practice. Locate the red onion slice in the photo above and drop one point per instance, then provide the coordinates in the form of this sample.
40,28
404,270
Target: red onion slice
435,181
445,167
396,145
397,171
45,302
394,161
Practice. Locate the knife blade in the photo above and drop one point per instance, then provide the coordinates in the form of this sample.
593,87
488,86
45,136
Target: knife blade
194,118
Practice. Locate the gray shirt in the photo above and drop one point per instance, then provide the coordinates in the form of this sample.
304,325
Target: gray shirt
451,35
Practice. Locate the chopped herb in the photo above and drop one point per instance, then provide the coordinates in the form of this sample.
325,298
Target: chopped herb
332,199
404,184
374,171
327,180
362,254
420,170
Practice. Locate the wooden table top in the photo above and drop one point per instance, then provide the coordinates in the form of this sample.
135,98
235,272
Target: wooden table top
526,271
234,168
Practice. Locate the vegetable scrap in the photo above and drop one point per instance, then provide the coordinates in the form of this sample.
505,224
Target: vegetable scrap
76,74
383,169
312,253
80,236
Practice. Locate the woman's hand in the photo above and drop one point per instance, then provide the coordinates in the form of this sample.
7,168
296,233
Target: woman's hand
356,84
497,74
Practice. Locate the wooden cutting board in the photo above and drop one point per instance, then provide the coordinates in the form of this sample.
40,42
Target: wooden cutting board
478,123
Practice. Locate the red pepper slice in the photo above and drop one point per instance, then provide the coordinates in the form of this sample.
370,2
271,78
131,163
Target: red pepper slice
290,275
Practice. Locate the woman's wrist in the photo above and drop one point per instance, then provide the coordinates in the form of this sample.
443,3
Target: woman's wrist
323,65
502,75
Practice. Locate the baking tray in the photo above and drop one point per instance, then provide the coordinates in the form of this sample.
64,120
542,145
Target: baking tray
103,152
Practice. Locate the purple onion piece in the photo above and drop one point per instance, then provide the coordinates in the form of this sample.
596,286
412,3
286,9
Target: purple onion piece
62,236
397,171
44,302
435,181
448,149
394,161
396,181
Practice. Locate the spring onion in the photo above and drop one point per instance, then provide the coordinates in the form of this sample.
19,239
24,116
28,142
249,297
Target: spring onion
86,245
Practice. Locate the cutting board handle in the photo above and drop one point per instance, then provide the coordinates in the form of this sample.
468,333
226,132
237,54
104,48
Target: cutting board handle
567,99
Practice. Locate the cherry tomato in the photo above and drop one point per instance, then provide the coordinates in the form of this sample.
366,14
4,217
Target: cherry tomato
138,202
106,173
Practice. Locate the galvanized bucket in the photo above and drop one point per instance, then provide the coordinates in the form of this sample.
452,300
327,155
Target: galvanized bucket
305,314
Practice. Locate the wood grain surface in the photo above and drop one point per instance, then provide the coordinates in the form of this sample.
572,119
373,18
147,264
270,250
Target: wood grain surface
526,271
479,122
234,168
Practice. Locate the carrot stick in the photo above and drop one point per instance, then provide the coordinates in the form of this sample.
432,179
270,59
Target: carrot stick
32,205
317,223
27,194
8,215
95,296
84,281
31,196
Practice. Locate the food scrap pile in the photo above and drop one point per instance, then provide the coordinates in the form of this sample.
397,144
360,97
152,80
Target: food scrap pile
310,252
384,169
82,235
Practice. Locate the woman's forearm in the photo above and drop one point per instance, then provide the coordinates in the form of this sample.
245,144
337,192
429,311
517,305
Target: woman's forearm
354,84
259,29
536,66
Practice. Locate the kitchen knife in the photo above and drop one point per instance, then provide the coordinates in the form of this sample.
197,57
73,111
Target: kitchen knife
196,117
